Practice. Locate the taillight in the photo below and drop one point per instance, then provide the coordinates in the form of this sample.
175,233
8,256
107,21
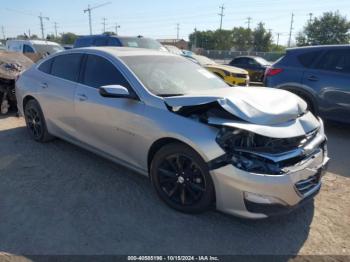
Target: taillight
273,71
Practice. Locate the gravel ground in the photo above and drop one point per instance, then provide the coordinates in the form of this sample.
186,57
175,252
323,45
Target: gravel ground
56,198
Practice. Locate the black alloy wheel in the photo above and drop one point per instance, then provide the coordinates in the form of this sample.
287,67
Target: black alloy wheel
182,180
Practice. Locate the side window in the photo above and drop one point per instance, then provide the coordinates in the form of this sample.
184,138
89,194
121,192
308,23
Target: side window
46,66
100,72
101,41
336,61
309,58
252,62
67,66
236,61
27,49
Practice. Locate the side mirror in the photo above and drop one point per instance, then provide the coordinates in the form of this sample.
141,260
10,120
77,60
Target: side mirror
115,91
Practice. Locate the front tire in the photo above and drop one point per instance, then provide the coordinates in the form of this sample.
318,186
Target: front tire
181,178
35,122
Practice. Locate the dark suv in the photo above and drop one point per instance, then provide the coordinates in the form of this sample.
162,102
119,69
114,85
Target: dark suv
113,40
318,74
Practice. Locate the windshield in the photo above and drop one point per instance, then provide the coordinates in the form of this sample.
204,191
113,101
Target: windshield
262,61
142,42
171,75
47,49
202,60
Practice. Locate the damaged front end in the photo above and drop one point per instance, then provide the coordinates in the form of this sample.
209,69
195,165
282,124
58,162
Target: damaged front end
11,66
259,154
275,151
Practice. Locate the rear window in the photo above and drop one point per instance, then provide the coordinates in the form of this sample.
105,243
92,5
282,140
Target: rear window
308,59
83,42
46,66
141,42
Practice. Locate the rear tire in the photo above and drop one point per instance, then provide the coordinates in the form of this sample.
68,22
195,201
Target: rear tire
181,179
35,122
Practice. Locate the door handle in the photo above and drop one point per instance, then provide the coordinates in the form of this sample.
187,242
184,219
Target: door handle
313,78
82,97
44,85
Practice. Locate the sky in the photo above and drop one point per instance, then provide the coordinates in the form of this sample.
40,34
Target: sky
159,18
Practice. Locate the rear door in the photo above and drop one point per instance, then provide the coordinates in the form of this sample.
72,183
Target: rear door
56,91
330,79
107,124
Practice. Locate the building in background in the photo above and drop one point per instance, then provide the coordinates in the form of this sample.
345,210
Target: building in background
179,43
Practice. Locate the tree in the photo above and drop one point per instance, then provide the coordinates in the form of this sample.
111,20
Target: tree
262,39
330,28
68,38
242,38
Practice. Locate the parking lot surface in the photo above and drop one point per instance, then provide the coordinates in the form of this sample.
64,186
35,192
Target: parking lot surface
56,198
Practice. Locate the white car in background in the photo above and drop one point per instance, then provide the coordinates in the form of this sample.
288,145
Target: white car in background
37,47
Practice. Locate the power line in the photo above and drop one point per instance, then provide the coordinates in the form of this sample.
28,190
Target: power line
278,39
3,32
55,25
221,15
177,31
116,28
89,9
249,19
41,18
104,19
310,15
291,30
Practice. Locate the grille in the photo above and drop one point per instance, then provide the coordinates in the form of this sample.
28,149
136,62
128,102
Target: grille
305,186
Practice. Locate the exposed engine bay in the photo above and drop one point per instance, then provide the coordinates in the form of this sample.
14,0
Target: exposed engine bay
264,149
11,66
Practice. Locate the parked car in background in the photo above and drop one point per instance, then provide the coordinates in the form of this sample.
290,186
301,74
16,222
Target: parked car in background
255,66
320,75
34,49
114,40
251,152
2,47
173,49
231,75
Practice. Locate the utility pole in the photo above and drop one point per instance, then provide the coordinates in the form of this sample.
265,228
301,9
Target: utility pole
104,19
3,32
249,19
291,30
178,31
29,35
195,39
41,18
310,19
89,9
278,39
221,15
116,28
55,25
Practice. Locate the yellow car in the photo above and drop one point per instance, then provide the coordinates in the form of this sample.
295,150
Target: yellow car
231,75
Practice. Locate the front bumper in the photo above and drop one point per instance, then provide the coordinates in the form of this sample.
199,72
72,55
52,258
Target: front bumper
256,196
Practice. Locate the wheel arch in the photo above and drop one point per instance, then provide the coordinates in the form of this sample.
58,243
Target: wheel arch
158,144
26,99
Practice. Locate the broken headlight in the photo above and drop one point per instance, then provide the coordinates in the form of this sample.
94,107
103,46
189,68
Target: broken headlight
240,146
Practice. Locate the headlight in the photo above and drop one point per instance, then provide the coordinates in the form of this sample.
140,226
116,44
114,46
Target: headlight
237,144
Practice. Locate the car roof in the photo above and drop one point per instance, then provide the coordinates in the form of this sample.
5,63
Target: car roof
38,42
107,35
317,47
122,51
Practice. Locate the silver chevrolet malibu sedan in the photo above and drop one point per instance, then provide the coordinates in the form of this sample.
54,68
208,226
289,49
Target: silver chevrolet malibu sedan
250,152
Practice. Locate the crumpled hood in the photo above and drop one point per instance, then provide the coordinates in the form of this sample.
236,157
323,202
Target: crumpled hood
257,105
